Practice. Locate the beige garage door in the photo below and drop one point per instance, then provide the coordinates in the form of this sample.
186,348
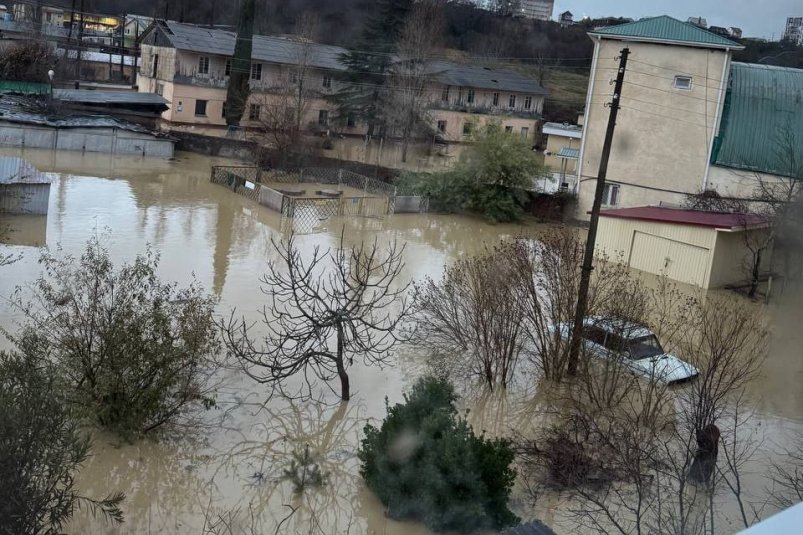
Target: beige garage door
680,261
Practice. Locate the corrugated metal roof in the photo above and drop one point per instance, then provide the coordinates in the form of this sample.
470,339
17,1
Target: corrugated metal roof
563,129
14,170
667,29
701,218
762,120
566,152
287,51
85,96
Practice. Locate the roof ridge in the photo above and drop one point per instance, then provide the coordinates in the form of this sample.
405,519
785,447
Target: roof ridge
664,28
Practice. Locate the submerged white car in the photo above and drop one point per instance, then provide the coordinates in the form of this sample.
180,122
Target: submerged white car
634,346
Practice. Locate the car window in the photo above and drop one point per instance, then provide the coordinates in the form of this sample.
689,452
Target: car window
594,334
616,343
645,347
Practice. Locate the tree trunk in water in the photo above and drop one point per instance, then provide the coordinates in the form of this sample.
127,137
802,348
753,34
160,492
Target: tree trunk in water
755,274
345,391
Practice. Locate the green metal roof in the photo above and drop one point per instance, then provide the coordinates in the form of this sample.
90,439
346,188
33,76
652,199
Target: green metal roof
762,121
23,88
669,30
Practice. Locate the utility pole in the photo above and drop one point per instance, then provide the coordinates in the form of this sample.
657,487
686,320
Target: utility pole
588,257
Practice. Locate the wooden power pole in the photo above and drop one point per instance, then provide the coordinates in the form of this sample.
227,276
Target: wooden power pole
588,258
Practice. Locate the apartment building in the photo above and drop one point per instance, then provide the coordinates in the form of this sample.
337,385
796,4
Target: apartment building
794,30
190,66
690,119
536,9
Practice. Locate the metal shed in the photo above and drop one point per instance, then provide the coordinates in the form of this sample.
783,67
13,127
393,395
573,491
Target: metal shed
707,249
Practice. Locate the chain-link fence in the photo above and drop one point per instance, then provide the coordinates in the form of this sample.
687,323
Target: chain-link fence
343,177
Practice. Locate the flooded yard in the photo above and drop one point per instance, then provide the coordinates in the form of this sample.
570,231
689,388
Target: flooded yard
225,473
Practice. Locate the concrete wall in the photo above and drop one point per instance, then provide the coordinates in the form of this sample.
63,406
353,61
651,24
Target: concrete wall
455,122
410,204
663,134
108,140
24,198
271,198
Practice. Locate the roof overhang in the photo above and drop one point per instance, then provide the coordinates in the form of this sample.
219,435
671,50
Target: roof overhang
658,41
565,132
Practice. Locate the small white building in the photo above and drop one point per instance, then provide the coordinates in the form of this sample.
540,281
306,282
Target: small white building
706,249
23,189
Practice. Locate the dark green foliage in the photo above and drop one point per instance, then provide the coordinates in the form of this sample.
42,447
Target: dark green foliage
40,451
368,65
238,90
491,180
134,352
425,463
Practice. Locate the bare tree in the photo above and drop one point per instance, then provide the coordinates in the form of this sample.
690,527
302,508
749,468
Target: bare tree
471,316
322,313
418,44
282,109
633,473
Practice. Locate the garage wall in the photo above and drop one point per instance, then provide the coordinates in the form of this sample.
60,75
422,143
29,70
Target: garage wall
733,259
683,252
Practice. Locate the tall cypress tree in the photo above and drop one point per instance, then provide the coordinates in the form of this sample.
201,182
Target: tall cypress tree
238,90
368,65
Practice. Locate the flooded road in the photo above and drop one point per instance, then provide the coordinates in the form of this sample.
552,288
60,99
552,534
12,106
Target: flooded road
226,474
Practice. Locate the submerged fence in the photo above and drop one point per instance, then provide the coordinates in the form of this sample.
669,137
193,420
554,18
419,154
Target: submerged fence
378,199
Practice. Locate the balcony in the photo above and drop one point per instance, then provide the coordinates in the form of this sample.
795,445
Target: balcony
483,110
201,80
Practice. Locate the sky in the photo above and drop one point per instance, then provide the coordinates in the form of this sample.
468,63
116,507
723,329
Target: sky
757,19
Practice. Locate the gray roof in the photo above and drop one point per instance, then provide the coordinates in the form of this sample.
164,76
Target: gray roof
464,75
265,48
284,50
88,96
569,153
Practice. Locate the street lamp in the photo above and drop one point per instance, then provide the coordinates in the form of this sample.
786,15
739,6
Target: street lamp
51,74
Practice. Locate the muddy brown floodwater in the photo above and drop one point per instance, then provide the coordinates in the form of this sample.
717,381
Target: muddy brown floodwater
224,474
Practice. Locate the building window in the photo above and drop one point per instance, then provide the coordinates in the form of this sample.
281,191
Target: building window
203,65
528,102
468,127
223,110
511,103
610,195
682,82
524,132
254,111
326,81
445,94
200,108
470,96
160,89
496,99
290,114
442,127
293,76
155,65
323,117
509,129
227,71
459,95
256,71
351,120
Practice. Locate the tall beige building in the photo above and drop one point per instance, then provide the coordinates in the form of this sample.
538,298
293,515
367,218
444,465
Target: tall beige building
536,9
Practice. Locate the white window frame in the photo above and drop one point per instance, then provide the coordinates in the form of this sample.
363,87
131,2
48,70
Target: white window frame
254,112
442,126
611,192
203,64
511,101
683,86
326,81
256,71
227,68
528,102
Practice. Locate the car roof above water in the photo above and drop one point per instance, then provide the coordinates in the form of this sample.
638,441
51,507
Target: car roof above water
622,327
